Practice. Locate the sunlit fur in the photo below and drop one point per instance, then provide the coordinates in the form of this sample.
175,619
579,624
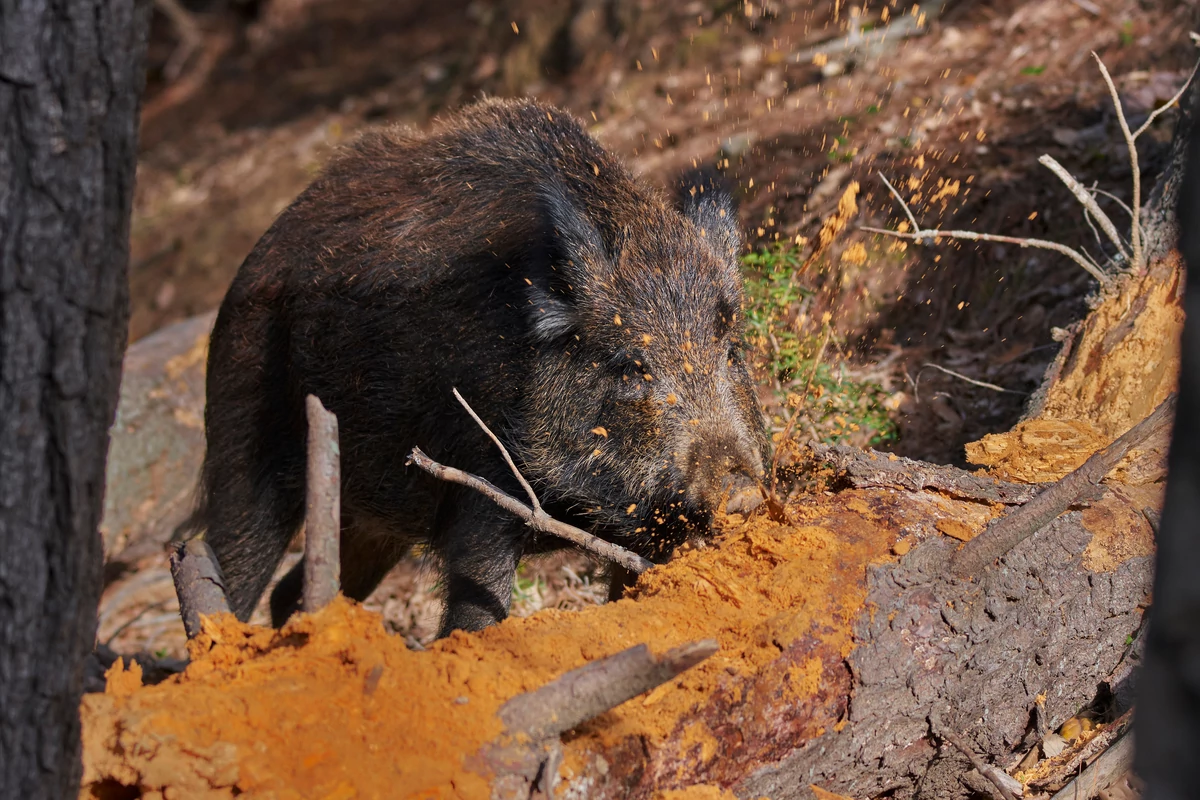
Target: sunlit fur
594,324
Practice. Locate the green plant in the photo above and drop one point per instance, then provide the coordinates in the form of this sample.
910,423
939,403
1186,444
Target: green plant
839,408
1038,70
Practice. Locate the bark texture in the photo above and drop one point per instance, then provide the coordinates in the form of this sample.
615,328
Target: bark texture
1168,738
70,81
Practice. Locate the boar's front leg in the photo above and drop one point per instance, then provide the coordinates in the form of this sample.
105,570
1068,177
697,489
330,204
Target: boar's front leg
479,546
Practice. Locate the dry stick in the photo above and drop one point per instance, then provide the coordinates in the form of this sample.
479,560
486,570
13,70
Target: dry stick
581,694
991,773
198,583
920,235
1131,144
503,451
539,520
1086,200
1135,236
960,376
322,519
1012,529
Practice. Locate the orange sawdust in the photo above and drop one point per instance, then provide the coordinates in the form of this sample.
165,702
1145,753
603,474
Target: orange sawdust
120,681
1120,531
956,529
332,705
1120,367
1037,450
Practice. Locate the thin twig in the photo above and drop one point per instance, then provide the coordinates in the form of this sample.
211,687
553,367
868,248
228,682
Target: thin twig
977,763
323,501
900,199
962,377
1175,99
503,451
538,519
1010,530
1135,235
921,235
1086,200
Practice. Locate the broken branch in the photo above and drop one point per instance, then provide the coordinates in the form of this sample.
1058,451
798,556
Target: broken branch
920,236
538,519
1010,530
503,451
322,520
581,694
1085,199
198,583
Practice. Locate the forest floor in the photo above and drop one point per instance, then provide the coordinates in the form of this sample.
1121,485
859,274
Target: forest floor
955,114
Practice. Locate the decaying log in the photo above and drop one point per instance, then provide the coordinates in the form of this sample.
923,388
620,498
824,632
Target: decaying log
1082,483
865,469
1101,773
198,583
322,519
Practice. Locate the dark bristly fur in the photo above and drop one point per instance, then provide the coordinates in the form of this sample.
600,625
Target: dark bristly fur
594,326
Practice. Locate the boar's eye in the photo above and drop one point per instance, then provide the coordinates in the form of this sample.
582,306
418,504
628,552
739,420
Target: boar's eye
737,349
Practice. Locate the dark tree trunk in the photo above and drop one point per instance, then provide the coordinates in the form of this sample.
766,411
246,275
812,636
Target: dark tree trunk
1169,692
70,83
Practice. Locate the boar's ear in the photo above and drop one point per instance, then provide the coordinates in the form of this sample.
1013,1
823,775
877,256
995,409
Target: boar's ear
704,196
574,254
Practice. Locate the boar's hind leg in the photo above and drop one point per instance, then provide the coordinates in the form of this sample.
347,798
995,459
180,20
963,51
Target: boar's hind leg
253,497
479,546
368,553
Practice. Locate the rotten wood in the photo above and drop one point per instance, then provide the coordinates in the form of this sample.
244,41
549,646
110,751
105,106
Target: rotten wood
1106,770
198,583
538,519
587,692
864,469
1074,760
322,521
1008,531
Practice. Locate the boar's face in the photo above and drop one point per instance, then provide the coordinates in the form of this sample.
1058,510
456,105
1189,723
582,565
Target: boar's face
641,413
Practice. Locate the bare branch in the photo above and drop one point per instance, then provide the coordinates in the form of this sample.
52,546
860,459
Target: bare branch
962,377
900,199
1086,200
538,519
322,519
1175,99
503,451
1136,234
1010,530
921,235
581,694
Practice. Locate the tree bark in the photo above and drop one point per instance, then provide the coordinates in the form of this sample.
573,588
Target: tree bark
1169,698
70,82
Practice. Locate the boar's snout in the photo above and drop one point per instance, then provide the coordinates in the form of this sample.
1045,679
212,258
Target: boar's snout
720,466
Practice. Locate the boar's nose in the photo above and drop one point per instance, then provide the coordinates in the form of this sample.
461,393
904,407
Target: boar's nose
719,467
